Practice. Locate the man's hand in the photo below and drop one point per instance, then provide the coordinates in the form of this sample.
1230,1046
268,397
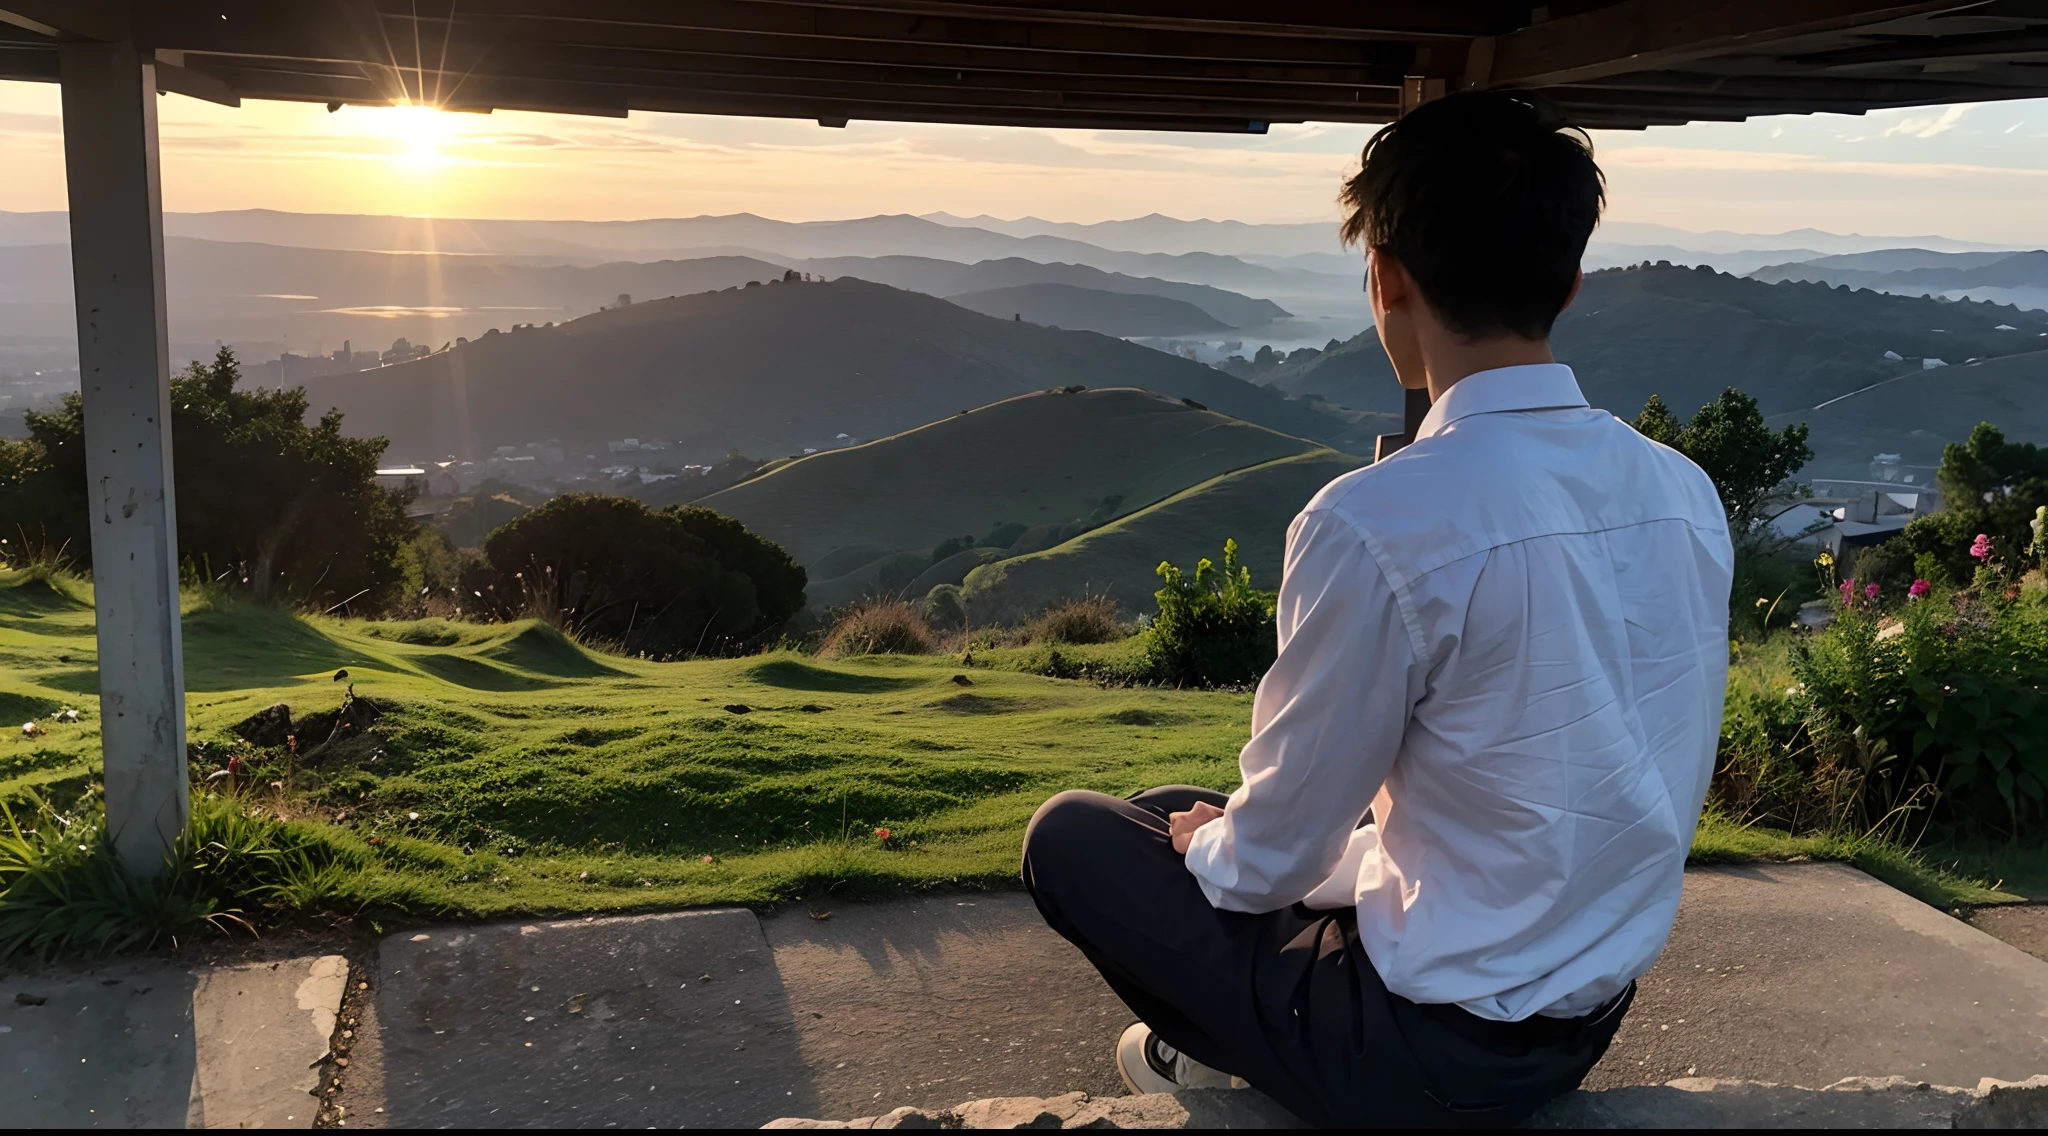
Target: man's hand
1182,826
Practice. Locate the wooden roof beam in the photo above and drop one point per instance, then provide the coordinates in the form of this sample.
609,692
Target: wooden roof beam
1645,35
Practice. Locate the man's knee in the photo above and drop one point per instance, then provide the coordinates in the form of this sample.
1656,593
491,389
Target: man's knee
1065,833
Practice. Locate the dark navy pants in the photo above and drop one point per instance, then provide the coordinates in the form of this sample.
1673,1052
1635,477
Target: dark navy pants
1287,1000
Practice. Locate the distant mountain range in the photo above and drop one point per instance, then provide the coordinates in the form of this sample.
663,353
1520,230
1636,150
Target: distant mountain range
2018,278
243,292
768,370
1686,334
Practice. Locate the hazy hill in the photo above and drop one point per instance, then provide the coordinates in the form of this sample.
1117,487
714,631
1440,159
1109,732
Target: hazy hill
1088,309
768,370
951,278
1120,560
2019,278
1686,334
1044,461
1157,232
229,291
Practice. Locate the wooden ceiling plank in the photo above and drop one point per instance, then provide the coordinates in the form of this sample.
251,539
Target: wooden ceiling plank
1642,35
1451,19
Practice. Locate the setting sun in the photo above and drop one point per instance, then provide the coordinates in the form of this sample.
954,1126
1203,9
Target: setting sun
420,131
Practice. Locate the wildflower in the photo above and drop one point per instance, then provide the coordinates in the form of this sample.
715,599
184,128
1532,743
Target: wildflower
1848,587
235,764
881,834
1981,547
707,859
1919,588
1870,591
1826,559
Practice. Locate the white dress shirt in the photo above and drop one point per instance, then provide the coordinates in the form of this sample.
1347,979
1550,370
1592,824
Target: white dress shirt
1510,639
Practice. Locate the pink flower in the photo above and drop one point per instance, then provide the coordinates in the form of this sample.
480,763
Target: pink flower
1981,547
1870,591
881,834
707,859
1918,589
1849,590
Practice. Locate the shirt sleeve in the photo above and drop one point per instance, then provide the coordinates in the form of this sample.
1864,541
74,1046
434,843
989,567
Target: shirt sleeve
1327,723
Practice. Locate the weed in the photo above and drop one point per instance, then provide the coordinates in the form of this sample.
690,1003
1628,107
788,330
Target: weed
880,627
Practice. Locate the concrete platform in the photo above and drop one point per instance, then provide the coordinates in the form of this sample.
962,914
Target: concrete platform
156,1046
1804,974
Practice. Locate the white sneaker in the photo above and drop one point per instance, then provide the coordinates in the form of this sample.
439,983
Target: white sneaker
1149,1065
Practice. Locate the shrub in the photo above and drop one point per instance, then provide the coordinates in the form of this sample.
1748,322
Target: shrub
683,580
1091,619
945,607
880,627
1214,629
1947,691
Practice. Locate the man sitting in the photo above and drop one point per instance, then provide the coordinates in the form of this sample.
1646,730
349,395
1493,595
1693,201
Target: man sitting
1508,641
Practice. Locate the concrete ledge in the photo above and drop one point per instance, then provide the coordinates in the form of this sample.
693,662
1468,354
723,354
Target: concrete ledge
142,1045
1694,1102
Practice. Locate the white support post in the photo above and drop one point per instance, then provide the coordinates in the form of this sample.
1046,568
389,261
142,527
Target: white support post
117,266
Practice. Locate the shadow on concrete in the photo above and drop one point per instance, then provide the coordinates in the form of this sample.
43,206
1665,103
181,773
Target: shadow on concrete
673,1020
941,999
114,1049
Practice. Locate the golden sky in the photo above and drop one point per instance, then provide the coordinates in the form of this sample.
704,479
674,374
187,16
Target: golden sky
1972,172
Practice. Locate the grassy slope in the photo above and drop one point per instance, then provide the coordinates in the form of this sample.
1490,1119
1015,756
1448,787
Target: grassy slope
507,736
1919,414
547,779
1120,560
1033,459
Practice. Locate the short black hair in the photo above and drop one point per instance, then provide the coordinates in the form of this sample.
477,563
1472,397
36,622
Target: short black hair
1488,199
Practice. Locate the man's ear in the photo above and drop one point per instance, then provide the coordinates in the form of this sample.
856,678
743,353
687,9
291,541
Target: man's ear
1391,286
1578,278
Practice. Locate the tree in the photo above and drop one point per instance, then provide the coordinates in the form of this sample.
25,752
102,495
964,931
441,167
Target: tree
293,511
1749,465
683,580
1991,486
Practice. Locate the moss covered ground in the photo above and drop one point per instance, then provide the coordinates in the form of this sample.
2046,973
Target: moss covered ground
510,770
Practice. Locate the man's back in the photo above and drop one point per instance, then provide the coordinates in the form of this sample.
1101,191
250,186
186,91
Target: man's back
1564,584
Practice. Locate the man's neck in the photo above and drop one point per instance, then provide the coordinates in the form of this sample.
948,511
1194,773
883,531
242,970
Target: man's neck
1449,361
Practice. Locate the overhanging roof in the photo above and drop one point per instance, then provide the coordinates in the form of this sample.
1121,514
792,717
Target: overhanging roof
1223,65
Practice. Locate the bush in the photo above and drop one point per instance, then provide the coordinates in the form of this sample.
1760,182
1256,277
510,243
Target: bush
1091,619
1945,694
1215,629
684,580
880,627
945,607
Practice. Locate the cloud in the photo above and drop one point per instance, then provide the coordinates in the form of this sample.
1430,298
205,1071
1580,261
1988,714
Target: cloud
1929,125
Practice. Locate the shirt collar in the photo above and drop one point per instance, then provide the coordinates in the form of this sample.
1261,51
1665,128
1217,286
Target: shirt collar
1532,386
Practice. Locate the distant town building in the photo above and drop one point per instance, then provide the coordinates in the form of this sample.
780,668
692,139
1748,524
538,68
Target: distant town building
625,300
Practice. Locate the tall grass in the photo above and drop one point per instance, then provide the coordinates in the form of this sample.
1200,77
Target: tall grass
1090,619
880,627
64,892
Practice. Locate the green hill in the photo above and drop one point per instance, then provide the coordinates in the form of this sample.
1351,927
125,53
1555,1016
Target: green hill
1917,415
1043,467
1120,560
769,370
1090,309
1686,334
